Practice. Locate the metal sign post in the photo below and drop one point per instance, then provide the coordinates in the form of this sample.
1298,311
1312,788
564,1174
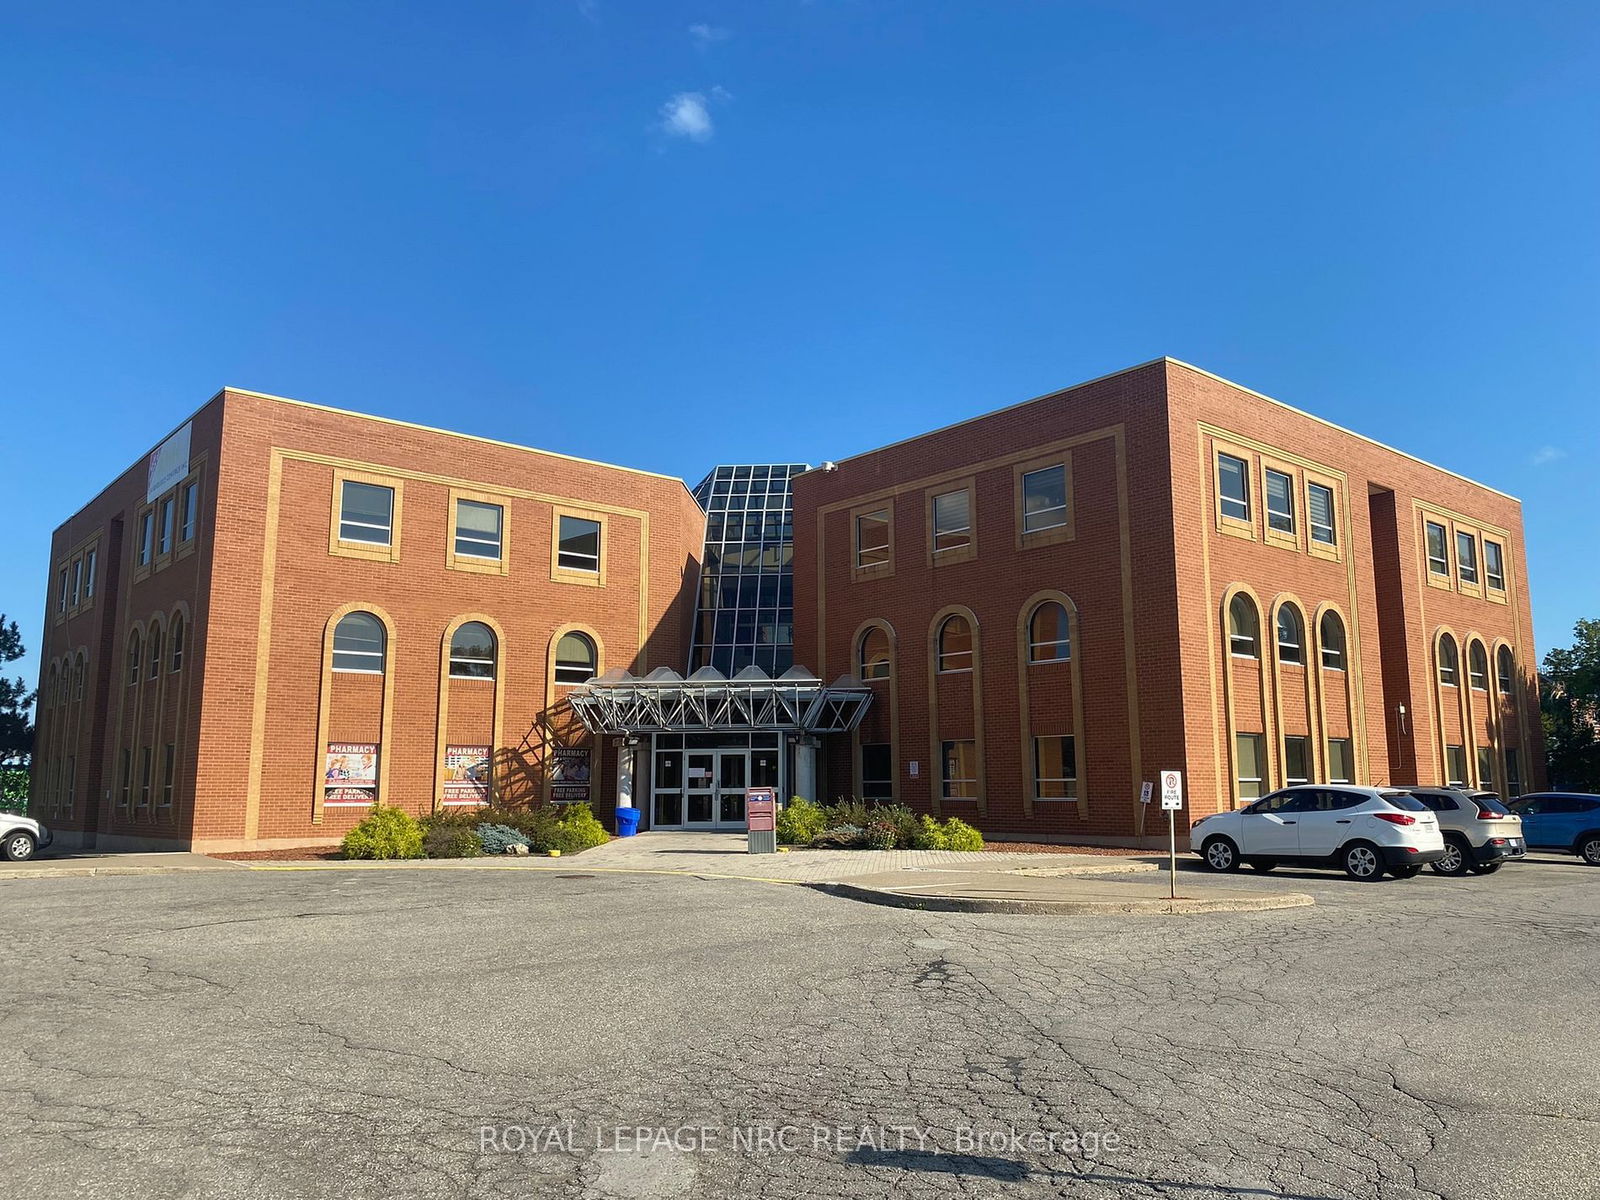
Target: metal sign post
1172,802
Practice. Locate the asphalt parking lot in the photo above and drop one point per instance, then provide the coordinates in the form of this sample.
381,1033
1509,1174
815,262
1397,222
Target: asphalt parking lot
429,1033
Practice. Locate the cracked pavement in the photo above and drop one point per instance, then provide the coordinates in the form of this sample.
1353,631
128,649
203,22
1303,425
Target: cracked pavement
344,1034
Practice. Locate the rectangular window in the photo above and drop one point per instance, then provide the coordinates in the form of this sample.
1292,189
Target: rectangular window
190,512
952,521
90,561
1494,566
1319,504
77,582
1513,774
169,767
1455,766
164,546
1055,768
960,770
72,782
872,538
1486,767
478,529
146,764
66,592
1044,499
366,513
1250,751
126,776
1280,502
1296,760
1341,761
1234,485
877,772
579,545
1438,553
1467,557
147,536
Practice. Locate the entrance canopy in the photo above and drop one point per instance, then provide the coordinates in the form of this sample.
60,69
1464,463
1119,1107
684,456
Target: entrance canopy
708,701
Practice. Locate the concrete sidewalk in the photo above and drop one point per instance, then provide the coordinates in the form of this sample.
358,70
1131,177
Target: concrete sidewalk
1010,892
69,865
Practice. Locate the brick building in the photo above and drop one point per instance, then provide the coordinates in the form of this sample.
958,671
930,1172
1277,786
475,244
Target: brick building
286,611
1161,569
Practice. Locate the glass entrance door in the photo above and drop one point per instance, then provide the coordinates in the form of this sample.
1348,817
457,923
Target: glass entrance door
731,771
700,790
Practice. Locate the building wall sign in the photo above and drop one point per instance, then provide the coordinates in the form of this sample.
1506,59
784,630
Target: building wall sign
351,777
466,775
569,774
169,462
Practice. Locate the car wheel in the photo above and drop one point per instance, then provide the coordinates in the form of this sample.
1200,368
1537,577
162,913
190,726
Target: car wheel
1589,850
1363,862
1457,858
1220,854
1406,872
18,846
1488,868
1262,864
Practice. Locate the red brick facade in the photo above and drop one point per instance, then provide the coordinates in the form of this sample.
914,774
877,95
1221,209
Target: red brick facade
1147,564
251,705
218,736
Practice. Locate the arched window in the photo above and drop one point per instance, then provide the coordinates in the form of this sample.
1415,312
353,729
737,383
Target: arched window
78,675
1244,627
1049,633
1477,666
1332,641
155,651
1291,635
575,659
1506,670
873,657
359,644
955,644
472,652
135,656
178,630
1449,661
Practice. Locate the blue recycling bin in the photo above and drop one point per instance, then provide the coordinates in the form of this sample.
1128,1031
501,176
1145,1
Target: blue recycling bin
627,822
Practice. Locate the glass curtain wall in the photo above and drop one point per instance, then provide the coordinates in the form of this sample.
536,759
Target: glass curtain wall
745,610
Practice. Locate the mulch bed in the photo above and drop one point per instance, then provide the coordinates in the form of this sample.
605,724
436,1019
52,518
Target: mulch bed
292,854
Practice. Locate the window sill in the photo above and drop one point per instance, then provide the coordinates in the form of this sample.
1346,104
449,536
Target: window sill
577,577
1442,582
952,555
477,566
364,550
1055,535
1234,527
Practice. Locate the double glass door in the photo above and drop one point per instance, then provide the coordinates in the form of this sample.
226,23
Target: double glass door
713,788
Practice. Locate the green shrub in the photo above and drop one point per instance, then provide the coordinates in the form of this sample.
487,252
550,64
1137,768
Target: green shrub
450,839
839,837
800,821
386,832
928,835
879,834
958,835
576,829
493,839
844,811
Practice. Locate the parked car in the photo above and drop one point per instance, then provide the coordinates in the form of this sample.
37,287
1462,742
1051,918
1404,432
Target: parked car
21,836
1565,821
1480,833
1365,830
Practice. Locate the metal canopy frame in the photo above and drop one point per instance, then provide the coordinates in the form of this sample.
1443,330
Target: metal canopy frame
708,701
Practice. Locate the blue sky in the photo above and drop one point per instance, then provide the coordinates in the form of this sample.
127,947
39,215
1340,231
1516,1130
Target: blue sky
668,235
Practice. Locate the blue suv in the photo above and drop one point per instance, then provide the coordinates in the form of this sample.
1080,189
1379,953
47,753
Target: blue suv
1565,821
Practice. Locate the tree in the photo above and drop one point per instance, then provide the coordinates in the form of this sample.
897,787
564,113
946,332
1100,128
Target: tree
16,730
1570,710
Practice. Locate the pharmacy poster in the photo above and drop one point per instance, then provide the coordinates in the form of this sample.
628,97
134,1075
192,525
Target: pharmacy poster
466,775
569,774
350,779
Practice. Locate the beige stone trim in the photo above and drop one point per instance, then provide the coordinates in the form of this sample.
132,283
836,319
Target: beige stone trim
560,574
893,683
955,554
442,731
472,563
1025,667
935,740
552,698
325,703
347,549
882,570
1057,534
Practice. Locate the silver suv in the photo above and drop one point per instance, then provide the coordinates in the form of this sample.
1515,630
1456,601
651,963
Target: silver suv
1480,833
20,836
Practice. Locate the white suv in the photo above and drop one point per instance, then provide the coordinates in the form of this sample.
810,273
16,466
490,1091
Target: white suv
20,836
1365,830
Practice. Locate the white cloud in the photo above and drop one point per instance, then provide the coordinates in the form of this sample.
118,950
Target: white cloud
705,35
686,115
1547,454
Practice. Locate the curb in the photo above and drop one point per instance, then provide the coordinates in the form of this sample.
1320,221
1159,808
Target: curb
1141,906
83,872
